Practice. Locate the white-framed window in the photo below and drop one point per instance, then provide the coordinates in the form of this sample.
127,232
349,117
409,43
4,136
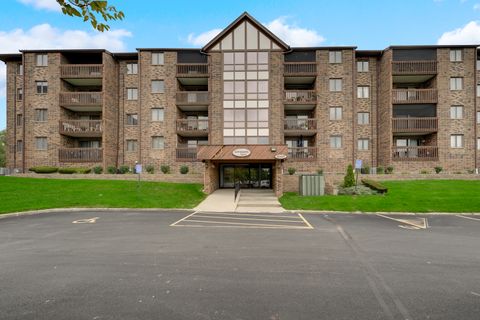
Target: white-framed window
456,55
456,112
42,60
362,66
132,68
41,143
362,144
132,119
19,146
456,141
20,94
456,83
478,143
158,143
20,69
363,92
132,145
132,93
42,87
41,115
335,85
158,114
478,65
158,86
336,142
478,90
335,56
335,113
158,58
478,116
363,118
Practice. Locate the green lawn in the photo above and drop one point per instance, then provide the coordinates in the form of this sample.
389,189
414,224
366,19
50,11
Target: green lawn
402,196
20,194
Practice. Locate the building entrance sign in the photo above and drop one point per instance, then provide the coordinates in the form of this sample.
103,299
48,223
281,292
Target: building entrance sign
241,153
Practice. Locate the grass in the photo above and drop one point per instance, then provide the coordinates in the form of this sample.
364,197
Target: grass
21,194
402,196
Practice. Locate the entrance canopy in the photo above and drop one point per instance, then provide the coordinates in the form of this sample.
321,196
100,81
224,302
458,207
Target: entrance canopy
242,152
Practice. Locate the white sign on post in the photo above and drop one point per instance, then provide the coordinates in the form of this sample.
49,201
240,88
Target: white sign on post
138,168
358,164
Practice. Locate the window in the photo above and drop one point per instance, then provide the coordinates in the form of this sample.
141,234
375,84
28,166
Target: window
362,66
478,143
19,119
42,60
157,58
158,142
158,86
132,145
335,85
362,144
157,114
41,143
19,94
363,92
456,55
132,119
478,116
20,69
478,90
335,113
132,93
335,56
42,87
456,141
456,112
19,145
335,142
132,68
363,118
41,115
456,83
93,144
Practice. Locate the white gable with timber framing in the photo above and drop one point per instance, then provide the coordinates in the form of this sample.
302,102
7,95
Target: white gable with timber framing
245,33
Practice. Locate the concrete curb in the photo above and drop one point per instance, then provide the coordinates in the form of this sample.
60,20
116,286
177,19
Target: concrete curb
382,212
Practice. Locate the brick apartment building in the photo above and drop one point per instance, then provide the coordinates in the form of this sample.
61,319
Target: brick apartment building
245,107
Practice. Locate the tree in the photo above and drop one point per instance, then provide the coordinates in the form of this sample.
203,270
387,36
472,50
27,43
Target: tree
349,180
91,10
2,148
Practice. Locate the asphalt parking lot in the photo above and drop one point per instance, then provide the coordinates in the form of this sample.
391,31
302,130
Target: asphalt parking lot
168,265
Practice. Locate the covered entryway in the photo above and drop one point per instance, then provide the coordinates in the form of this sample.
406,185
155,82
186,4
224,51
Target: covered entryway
248,175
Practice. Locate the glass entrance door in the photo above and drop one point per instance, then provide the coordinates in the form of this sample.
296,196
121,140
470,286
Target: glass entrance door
248,175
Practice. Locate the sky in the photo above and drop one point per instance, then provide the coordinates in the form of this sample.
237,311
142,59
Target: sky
367,24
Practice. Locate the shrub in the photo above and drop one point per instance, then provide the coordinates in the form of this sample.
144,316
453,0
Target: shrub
150,168
365,170
320,171
471,171
44,169
123,169
349,179
111,169
184,169
97,170
389,170
358,191
438,169
379,170
165,169
67,170
291,171
375,185
424,172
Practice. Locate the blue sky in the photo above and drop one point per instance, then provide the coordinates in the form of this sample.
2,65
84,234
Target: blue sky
29,24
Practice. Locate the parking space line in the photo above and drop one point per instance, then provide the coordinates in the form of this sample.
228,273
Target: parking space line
254,219
470,218
248,214
242,227
305,220
173,224
250,224
423,225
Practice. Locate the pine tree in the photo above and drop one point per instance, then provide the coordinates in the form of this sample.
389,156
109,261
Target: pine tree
349,180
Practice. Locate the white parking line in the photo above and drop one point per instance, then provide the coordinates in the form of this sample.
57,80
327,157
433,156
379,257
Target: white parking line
421,223
254,219
173,224
470,218
250,224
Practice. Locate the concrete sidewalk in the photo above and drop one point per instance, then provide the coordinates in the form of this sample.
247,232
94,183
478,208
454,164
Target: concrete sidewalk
221,200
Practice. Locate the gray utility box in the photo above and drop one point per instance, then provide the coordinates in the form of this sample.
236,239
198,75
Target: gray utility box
311,185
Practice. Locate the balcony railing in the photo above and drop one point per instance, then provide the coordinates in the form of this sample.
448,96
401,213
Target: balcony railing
80,154
192,70
414,67
200,125
422,153
83,128
300,124
302,153
186,153
80,98
300,96
300,68
424,124
193,97
81,70
414,96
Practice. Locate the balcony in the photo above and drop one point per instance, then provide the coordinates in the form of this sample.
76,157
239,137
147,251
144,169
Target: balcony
300,68
415,125
193,100
422,153
186,153
302,153
300,97
300,127
192,127
420,67
192,70
82,74
82,101
80,154
81,128
414,96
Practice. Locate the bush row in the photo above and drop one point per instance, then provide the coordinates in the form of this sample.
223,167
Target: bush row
45,169
111,169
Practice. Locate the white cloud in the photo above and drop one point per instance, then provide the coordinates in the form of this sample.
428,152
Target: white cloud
476,6
468,34
290,34
51,5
